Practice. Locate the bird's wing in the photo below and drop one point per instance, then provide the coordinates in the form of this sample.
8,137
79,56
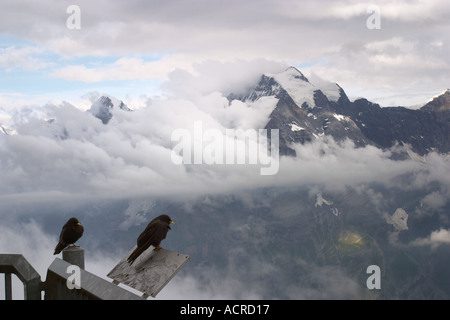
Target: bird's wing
71,234
62,243
63,232
143,237
155,232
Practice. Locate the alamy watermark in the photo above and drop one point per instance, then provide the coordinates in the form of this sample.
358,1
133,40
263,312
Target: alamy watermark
374,280
235,146
374,20
74,280
73,22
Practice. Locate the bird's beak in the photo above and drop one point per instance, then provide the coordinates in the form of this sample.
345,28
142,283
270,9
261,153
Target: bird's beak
79,224
172,222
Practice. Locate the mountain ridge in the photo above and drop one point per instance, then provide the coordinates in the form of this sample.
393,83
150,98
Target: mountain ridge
316,111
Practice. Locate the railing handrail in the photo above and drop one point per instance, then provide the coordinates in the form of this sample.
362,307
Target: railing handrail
92,286
17,264
67,279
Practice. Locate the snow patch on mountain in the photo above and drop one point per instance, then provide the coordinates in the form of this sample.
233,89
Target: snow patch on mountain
399,220
301,90
297,86
331,89
320,200
295,127
136,213
443,93
339,117
416,157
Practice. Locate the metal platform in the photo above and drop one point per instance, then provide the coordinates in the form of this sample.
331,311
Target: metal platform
150,272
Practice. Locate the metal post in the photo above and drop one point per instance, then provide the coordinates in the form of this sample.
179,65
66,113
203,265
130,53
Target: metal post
74,255
8,287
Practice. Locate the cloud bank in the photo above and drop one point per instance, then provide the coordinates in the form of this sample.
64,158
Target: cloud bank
70,155
63,154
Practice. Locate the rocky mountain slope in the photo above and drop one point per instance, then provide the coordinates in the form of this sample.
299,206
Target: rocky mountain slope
305,112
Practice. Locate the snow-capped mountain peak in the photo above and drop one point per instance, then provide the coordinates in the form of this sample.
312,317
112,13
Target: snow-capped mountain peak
308,109
102,108
292,73
440,102
297,86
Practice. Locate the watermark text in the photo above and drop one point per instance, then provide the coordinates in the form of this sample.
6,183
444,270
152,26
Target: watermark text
74,280
374,280
235,146
73,22
373,22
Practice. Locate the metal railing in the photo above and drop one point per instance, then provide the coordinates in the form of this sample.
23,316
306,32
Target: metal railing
56,285
18,265
67,280
91,287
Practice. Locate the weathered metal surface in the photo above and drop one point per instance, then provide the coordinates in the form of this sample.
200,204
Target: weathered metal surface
92,287
74,255
150,272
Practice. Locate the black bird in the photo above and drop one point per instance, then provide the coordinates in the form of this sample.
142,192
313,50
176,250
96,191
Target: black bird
70,233
155,232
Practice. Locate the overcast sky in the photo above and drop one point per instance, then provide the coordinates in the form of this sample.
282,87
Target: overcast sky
130,48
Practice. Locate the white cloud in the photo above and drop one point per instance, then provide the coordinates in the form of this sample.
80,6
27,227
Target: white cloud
312,10
23,58
435,200
406,57
233,76
29,240
123,69
75,156
436,238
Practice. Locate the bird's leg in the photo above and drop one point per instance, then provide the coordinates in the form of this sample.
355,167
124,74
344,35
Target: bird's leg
157,248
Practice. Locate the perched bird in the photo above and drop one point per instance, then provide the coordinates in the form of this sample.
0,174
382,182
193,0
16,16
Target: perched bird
70,233
155,232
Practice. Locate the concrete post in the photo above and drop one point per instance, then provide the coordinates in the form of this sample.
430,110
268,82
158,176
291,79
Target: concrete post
8,286
74,256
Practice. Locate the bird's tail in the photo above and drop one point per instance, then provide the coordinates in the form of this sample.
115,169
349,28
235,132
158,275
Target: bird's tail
134,255
59,248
